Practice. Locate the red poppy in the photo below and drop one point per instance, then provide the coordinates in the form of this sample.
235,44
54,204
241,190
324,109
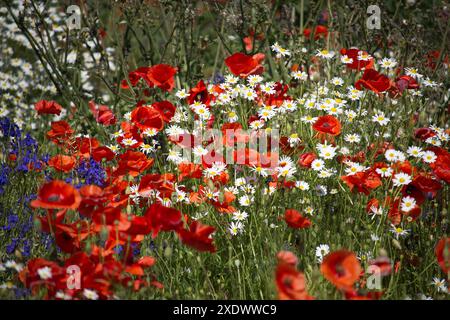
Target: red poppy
291,284
62,163
162,76
135,76
161,218
424,133
319,31
362,181
295,220
47,107
83,146
341,268
287,257
406,82
306,159
32,279
133,163
442,252
102,114
157,182
189,170
441,167
328,125
102,152
57,195
356,64
50,220
146,117
244,65
166,109
60,132
373,81
199,93
198,237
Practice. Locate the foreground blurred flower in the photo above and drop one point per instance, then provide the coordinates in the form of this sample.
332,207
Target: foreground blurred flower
291,284
341,268
442,252
198,237
57,195
295,220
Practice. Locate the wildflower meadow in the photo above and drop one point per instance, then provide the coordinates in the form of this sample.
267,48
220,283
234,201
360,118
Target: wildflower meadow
224,150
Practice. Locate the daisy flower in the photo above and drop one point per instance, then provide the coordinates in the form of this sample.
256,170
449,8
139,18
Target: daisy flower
325,54
401,179
408,203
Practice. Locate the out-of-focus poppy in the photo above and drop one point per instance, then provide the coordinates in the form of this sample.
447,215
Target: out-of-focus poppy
162,218
341,268
442,252
243,65
62,163
57,194
357,64
295,220
198,237
47,107
102,114
291,284
319,32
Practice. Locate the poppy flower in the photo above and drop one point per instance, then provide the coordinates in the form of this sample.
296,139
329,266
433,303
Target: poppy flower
199,93
291,284
319,32
306,159
243,65
62,163
57,194
287,257
424,133
50,220
162,218
442,252
406,82
357,64
135,76
33,278
157,182
83,146
146,117
162,76
295,220
166,109
441,167
328,125
102,152
341,268
60,132
69,237
133,163
362,182
198,237
373,81
102,114
47,107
